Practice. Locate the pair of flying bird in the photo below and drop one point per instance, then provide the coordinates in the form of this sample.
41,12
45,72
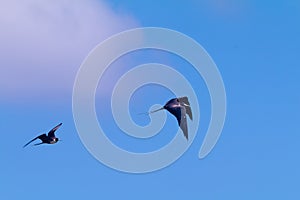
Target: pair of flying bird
178,107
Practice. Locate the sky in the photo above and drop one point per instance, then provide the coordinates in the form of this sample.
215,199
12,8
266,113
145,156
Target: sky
255,45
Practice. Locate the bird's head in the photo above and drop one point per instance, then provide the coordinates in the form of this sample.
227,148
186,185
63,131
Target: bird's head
56,139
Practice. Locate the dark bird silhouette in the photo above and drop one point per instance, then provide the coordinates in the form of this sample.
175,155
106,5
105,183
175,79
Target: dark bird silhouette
46,139
179,107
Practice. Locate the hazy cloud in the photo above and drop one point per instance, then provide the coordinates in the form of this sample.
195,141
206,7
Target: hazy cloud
44,42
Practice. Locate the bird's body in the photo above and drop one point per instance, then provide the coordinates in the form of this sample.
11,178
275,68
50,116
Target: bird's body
179,107
46,139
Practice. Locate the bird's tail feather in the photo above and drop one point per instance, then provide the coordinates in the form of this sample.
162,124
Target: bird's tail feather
153,111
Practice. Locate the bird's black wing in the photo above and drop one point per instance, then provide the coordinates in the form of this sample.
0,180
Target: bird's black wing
183,122
185,102
180,114
42,137
51,133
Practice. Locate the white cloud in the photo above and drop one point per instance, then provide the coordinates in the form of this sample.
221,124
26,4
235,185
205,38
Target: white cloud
44,42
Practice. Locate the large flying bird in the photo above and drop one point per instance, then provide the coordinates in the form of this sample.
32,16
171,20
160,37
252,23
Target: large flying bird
179,107
46,139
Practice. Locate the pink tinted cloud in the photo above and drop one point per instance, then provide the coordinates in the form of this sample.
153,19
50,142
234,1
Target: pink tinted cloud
44,42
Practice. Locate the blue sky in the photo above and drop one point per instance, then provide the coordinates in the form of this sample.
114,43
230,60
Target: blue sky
255,45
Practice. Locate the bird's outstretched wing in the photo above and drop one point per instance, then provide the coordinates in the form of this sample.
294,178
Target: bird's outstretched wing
180,114
185,102
42,137
51,133
183,122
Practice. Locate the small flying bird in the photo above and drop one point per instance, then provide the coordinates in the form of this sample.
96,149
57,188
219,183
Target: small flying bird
179,107
46,139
